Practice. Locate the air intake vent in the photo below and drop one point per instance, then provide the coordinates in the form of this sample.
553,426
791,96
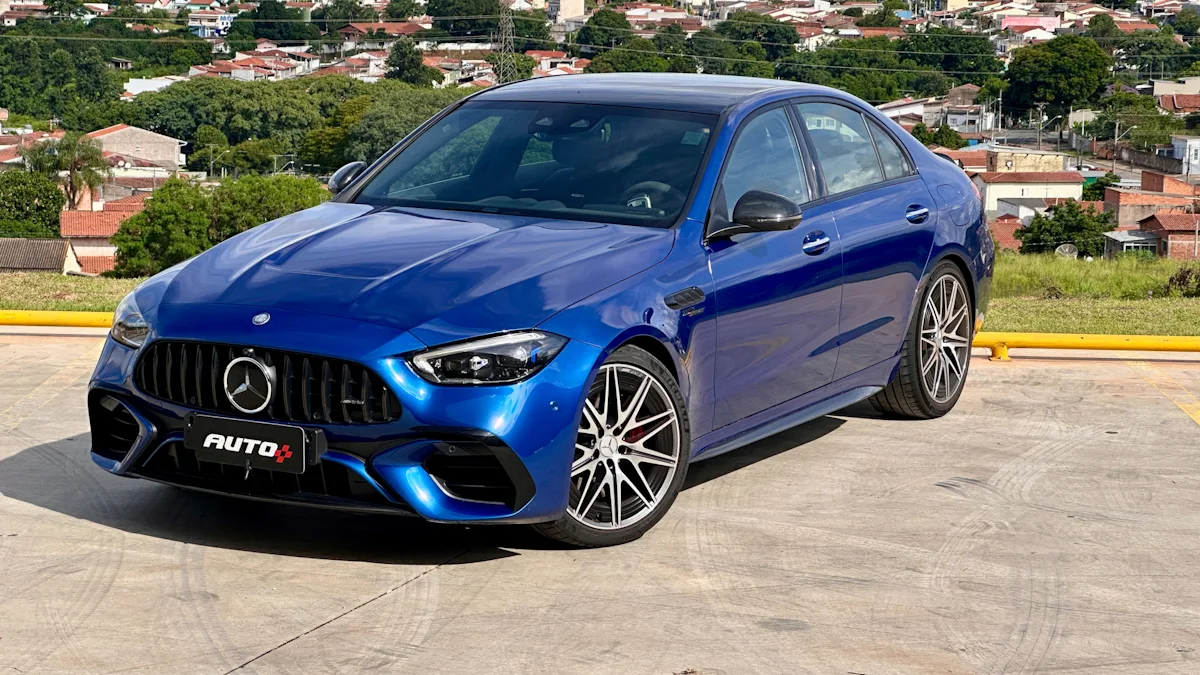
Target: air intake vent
114,430
471,471
307,388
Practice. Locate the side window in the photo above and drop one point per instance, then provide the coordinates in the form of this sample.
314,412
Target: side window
843,146
765,156
895,163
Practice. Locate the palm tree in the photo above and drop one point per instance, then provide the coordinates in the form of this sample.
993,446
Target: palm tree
76,161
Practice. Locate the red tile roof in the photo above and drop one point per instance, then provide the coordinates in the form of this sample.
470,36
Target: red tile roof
91,223
1179,103
1171,222
1030,177
881,31
131,204
108,130
1131,26
539,54
1003,229
97,264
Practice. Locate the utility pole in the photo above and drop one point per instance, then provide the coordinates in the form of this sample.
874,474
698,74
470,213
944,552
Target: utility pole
1041,115
506,67
1116,135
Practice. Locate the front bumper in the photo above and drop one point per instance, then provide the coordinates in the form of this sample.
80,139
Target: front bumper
524,432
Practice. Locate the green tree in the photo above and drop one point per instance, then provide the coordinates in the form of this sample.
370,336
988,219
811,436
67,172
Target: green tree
604,29
1066,223
948,138
1068,71
1104,31
1187,22
460,27
271,20
776,36
404,63
634,56
341,12
879,18
29,205
1094,191
257,155
524,63
855,12
76,161
238,205
403,9
174,226
392,116
65,8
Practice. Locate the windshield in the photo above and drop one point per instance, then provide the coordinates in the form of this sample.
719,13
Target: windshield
555,160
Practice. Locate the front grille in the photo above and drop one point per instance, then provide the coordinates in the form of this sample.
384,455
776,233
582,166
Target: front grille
307,388
114,430
326,482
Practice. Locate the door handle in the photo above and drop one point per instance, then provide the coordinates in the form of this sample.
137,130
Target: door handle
916,214
815,243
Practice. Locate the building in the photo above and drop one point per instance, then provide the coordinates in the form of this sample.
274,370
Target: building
997,185
208,23
378,34
1132,206
1152,181
970,119
1010,158
1185,85
1025,209
161,150
1127,241
1187,150
929,110
1004,230
1179,104
965,94
1178,234
90,232
38,255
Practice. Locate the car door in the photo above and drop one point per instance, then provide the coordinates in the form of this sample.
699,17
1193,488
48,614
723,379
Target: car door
885,216
777,293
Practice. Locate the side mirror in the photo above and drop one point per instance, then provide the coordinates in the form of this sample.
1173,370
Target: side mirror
345,175
760,211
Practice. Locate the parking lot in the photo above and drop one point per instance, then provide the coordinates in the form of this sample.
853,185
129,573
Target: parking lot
1048,524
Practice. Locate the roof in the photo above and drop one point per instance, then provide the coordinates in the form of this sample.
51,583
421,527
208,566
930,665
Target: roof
1002,231
668,91
34,254
91,223
1178,103
1130,235
967,157
97,264
1030,177
1173,222
132,204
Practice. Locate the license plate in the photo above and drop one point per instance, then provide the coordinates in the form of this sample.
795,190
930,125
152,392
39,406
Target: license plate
257,445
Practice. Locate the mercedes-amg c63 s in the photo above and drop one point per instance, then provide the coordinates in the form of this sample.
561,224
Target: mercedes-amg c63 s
546,301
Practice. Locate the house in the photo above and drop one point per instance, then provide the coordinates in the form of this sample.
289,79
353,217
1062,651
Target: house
545,60
889,32
964,94
160,149
1003,232
209,23
971,160
90,232
1152,181
376,35
1184,85
1179,104
970,118
1178,234
1125,241
1026,208
997,185
1012,158
930,109
1133,206
38,255
1187,150
138,85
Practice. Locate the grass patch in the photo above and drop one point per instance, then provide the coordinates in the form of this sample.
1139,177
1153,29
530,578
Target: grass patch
1161,316
49,291
1050,276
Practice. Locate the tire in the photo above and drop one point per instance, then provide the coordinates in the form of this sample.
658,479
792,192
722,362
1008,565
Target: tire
639,445
921,388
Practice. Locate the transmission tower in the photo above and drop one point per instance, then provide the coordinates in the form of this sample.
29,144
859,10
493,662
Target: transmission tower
506,65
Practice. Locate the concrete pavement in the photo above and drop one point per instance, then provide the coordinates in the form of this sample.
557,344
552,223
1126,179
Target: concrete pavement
1048,524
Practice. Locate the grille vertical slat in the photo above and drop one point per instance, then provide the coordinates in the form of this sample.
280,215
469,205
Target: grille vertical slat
192,374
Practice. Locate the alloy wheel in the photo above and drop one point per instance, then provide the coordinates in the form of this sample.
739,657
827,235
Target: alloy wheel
627,450
945,338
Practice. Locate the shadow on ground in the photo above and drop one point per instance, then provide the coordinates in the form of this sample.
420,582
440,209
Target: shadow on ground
60,477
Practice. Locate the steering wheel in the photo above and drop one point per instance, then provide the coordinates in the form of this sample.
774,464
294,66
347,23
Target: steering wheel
652,194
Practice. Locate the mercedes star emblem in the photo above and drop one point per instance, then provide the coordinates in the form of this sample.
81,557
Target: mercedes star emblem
248,384
260,319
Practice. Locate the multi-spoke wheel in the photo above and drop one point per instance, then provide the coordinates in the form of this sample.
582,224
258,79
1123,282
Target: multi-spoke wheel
936,352
630,453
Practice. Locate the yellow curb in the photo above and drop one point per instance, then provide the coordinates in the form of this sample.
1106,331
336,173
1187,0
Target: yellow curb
67,319
1000,343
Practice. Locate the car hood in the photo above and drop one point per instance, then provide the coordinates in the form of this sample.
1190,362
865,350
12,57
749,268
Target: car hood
437,274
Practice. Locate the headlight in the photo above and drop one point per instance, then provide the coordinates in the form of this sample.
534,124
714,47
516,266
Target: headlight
493,360
129,328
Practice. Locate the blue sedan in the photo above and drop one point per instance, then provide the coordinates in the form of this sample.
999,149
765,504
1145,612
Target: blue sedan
545,302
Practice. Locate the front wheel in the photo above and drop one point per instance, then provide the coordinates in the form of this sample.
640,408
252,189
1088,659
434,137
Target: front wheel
631,453
936,353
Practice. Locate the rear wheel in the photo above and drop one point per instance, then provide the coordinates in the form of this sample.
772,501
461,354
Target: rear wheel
937,350
630,455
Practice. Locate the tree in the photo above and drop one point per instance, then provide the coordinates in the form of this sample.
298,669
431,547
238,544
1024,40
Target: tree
605,29
460,27
341,12
1094,191
1067,71
184,219
855,12
1066,223
404,63
403,9
635,56
76,161
524,63
392,116
254,156
173,227
777,37
1187,22
65,8
29,205
271,20
1104,30
880,17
